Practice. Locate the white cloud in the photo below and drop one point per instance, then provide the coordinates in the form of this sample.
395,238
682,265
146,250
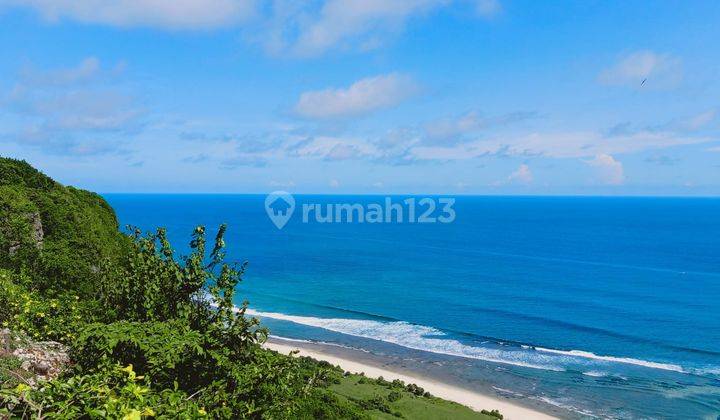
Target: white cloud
360,22
700,120
445,128
86,70
609,170
714,149
488,8
448,130
406,147
334,183
362,97
311,28
280,184
67,111
166,14
331,148
60,110
558,145
660,70
301,28
343,152
522,175
683,125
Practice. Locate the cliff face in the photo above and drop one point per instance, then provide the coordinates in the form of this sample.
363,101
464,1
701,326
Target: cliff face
36,234
56,233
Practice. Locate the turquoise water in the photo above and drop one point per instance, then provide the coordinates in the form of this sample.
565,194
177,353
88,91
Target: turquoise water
606,307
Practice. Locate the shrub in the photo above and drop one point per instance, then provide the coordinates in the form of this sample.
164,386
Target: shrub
398,384
414,389
493,413
268,384
10,295
323,405
326,373
382,382
42,318
18,246
153,286
169,352
375,403
114,393
183,329
394,396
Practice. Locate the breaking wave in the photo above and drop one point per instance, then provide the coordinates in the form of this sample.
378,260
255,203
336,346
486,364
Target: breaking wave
625,360
424,338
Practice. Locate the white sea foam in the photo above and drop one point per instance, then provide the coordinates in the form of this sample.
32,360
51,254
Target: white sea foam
566,405
417,337
625,360
504,391
595,373
714,371
324,343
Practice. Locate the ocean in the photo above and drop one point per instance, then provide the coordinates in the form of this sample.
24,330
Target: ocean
590,307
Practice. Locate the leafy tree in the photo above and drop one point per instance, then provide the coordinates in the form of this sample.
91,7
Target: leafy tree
199,289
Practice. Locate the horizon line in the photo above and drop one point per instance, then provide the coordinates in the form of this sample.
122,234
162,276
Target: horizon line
564,195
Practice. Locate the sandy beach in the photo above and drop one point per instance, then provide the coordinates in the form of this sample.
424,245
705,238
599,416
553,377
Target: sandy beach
468,398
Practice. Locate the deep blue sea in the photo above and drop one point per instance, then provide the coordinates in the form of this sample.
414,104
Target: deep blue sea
601,307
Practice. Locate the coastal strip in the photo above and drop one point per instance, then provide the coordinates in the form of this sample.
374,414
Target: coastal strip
471,399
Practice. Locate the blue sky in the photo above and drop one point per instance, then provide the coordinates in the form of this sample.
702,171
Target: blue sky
365,96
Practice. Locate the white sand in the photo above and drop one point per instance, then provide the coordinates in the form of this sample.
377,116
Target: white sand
471,399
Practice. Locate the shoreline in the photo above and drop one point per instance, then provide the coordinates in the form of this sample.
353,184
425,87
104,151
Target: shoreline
475,400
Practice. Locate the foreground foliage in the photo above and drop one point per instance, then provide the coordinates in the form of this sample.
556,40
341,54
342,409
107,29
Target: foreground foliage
174,323
151,334
113,393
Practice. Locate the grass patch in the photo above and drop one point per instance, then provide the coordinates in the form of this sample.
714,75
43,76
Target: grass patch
393,400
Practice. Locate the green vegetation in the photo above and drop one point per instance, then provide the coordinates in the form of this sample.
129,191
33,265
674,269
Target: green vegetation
151,334
55,234
390,400
11,371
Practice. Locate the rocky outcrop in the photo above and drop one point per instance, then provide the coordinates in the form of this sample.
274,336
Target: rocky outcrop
36,233
44,360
